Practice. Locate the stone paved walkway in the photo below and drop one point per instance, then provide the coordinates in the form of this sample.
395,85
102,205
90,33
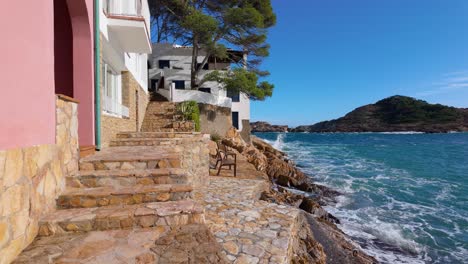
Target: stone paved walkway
250,230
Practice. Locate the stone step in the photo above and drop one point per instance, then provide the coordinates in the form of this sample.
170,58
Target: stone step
130,158
126,178
149,141
159,135
161,129
112,246
185,244
122,217
137,194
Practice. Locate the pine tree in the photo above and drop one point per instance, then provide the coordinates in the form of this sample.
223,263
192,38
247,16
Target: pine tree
214,26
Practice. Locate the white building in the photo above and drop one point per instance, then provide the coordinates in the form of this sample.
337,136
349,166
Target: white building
125,42
125,45
170,76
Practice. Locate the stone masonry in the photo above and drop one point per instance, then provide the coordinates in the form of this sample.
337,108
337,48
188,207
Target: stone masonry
134,195
250,230
31,178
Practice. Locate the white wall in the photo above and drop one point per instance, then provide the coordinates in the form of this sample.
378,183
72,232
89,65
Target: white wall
184,62
115,56
243,107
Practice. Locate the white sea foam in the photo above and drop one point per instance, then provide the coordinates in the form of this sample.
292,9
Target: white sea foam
278,143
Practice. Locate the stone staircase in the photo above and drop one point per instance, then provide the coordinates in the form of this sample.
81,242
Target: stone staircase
128,189
155,139
159,117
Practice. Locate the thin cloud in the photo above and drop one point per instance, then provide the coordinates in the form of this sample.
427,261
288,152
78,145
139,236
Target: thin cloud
451,82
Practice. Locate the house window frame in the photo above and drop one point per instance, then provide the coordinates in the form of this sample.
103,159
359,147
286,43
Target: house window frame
168,64
175,82
112,91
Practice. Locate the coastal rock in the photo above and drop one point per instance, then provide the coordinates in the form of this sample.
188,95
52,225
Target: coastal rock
313,207
319,238
307,249
261,126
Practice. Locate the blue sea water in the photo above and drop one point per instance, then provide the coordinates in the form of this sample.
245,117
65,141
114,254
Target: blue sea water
405,196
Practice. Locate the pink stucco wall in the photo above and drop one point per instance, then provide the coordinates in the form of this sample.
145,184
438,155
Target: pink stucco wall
81,13
27,98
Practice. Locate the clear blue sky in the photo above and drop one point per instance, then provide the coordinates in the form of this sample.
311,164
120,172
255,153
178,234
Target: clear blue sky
331,56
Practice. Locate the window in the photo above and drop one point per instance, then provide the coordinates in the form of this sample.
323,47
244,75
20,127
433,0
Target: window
205,90
235,120
112,91
234,95
163,64
179,85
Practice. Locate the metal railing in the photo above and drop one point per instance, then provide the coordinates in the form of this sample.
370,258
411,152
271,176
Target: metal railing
132,8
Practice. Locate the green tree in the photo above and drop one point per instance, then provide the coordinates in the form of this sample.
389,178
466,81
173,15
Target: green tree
214,26
241,80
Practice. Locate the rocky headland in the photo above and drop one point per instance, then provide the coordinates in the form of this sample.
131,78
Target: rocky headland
322,241
261,126
396,114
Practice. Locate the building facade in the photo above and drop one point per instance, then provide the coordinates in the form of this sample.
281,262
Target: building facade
170,76
125,42
60,97
46,110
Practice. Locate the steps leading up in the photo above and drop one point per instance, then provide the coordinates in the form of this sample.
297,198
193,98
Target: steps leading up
121,217
149,142
131,158
159,115
147,135
126,178
124,199
137,194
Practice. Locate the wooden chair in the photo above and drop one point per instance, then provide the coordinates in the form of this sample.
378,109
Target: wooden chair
222,158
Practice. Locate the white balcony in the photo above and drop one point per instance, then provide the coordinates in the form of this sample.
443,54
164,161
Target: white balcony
177,96
129,22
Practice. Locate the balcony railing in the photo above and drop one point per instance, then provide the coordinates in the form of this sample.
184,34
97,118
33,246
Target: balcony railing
126,8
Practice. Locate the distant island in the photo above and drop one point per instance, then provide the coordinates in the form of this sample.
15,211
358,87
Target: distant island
393,114
266,127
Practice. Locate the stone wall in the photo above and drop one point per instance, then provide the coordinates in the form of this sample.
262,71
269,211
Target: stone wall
245,133
32,178
195,159
183,126
215,120
133,97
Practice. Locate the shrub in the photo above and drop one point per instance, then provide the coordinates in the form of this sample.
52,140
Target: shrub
189,111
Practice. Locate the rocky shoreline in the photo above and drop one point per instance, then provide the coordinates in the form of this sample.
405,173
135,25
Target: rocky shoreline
284,178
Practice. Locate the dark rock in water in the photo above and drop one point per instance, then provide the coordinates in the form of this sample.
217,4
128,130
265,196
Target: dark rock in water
282,196
266,127
313,207
283,181
396,114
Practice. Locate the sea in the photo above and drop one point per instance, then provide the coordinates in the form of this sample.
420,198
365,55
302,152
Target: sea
404,195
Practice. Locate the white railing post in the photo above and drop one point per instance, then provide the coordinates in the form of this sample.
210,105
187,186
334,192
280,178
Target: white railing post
172,92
